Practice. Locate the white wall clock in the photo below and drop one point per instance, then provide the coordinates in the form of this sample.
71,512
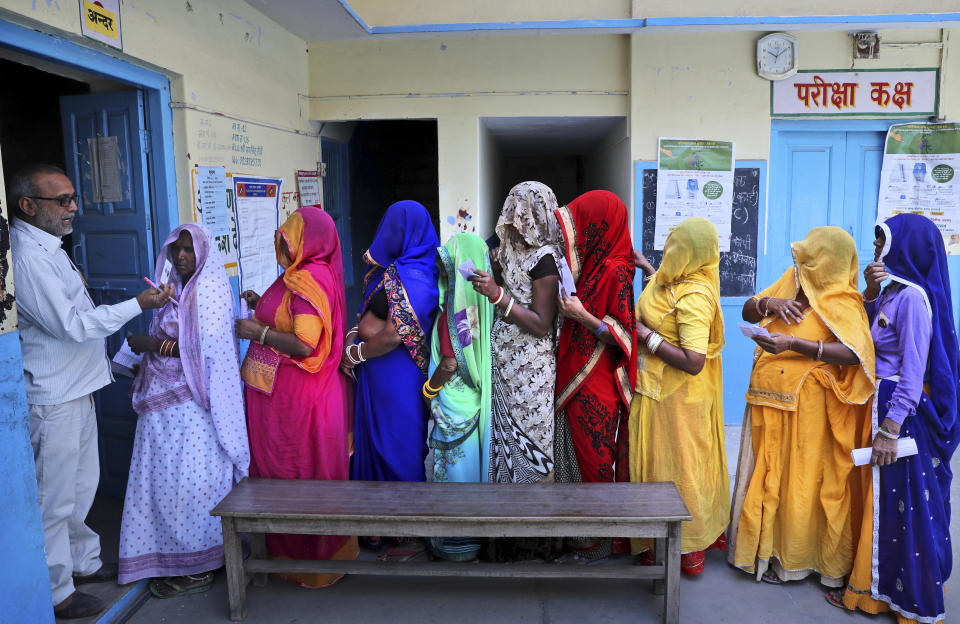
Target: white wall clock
777,56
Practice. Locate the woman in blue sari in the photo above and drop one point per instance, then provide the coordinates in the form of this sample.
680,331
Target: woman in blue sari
904,554
389,349
459,389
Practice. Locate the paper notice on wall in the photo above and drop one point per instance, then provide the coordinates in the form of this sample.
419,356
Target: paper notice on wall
211,204
308,183
918,176
694,179
256,204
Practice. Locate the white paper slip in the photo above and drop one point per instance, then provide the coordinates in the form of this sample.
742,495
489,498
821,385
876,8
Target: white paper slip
905,448
165,273
125,360
466,269
750,331
566,278
244,309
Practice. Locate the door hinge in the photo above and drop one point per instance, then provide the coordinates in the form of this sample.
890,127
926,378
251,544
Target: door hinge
145,139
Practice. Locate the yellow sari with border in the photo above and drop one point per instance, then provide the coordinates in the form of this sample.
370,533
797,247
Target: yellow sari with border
797,503
676,419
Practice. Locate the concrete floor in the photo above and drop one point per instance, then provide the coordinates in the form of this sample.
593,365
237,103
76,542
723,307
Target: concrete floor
720,594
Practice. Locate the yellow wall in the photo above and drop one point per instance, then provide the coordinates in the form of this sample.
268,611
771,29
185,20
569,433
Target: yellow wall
458,80
221,55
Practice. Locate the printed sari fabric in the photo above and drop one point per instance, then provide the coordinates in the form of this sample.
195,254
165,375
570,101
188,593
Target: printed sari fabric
904,555
594,380
191,441
797,499
299,430
524,365
676,419
390,430
460,438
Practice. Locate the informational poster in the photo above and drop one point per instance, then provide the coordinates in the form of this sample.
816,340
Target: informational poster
257,208
918,176
308,183
694,179
211,204
100,20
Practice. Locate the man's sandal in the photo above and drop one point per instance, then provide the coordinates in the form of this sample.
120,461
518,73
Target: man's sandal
181,585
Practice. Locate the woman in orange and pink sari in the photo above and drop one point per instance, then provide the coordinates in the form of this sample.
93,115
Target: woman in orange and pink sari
297,399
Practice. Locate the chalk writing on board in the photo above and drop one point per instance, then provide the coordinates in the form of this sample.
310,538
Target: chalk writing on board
738,267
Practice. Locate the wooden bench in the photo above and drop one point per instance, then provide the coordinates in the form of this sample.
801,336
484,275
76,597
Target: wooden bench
259,506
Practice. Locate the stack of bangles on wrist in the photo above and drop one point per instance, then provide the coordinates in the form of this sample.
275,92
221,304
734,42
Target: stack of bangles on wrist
599,330
429,391
499,298
654,340
887,434
359,358
167,347
765,302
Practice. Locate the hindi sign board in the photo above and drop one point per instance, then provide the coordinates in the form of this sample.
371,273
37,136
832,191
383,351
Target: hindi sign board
920,161
874,93
100,20
694,179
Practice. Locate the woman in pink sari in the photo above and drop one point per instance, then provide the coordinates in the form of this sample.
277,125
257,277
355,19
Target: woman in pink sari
297,410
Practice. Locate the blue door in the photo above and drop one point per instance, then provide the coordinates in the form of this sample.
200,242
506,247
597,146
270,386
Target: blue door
105,147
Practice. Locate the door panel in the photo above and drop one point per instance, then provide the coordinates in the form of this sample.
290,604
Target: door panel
112,242
862,188
336,201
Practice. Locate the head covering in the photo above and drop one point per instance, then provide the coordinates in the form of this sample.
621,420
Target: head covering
528,231
469,323
827,268
315,274
599,250
202,324
403,258
914,255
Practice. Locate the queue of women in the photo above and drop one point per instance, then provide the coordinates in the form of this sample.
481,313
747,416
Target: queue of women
474,364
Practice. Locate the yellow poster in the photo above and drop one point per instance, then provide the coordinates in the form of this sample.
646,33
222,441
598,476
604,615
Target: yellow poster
100,20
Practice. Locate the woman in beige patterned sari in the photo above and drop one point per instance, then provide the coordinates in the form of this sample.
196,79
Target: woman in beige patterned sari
524,338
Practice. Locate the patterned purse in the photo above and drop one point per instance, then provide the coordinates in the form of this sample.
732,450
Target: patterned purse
259,370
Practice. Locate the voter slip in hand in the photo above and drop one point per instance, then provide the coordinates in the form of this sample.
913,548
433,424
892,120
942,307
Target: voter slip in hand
466,269
566,278
752,331
125,360
905,448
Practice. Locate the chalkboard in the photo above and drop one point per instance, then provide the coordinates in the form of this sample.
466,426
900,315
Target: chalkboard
738,267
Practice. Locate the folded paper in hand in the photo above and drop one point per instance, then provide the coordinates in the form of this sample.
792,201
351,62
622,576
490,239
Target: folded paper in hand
566,278
125,360
751,331
905,448
466,269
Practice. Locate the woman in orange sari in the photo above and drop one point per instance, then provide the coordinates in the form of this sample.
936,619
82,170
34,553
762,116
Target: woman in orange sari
796,502
297,410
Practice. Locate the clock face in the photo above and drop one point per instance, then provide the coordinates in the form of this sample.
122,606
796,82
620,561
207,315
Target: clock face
777,56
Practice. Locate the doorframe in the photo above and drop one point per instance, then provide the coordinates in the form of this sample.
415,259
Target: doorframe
164,212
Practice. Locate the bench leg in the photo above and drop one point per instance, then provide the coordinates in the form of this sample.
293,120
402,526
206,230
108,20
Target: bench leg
671,601
258,550
659,549
236,578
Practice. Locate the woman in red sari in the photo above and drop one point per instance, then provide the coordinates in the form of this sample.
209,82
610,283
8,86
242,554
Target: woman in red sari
596,358
297,409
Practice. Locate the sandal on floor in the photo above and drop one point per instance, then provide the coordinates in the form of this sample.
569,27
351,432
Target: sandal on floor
181,585
771,577
410,551
835,597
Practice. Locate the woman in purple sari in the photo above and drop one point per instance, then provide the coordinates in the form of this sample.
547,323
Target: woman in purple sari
389,350
904,554
191,442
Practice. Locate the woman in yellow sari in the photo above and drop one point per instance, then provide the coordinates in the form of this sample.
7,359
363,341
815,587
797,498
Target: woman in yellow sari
676,417
796,502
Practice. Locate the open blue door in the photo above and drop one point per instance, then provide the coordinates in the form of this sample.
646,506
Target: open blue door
105,147
336,201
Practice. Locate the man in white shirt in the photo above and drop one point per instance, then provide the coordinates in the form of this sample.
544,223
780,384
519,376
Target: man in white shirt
64,361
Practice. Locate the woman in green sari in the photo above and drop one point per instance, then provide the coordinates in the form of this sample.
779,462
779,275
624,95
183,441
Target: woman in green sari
459,387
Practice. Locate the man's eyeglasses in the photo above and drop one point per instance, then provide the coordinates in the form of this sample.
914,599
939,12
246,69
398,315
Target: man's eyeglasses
63,200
